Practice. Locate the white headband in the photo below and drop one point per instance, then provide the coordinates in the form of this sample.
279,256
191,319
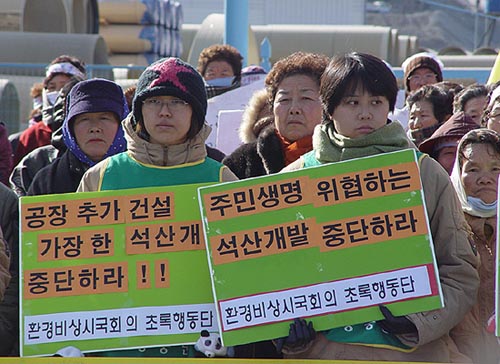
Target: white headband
65,67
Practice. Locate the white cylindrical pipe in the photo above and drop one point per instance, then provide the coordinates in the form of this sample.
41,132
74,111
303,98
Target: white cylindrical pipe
49,16
28,47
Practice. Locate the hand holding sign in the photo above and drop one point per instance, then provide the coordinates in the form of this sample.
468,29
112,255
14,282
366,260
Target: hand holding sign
299,337
397,325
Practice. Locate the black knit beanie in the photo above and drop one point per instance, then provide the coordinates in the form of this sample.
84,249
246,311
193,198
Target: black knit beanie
171,77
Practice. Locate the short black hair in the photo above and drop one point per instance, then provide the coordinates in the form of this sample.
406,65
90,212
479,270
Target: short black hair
442,104
468,93
345,73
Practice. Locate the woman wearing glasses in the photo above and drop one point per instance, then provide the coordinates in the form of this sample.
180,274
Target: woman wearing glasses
166,134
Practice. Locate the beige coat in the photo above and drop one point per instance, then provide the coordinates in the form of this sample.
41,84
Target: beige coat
145,152
458,274
470,335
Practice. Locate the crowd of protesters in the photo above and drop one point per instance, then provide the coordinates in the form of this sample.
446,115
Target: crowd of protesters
88,135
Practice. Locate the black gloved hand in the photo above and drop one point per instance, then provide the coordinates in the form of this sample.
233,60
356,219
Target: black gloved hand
300,334
395,325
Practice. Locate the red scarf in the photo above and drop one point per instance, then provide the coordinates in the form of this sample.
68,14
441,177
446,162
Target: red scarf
293,150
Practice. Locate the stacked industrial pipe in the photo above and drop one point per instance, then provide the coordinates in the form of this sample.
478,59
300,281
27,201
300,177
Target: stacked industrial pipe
138,32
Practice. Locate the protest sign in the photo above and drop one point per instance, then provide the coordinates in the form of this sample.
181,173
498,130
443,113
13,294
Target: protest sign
228,138
113,270
327,243
236,99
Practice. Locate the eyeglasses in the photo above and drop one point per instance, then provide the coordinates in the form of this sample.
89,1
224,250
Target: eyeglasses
428,77
172,104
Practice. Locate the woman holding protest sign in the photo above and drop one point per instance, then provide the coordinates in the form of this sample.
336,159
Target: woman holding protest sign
293,94
475,177
166,134
358,91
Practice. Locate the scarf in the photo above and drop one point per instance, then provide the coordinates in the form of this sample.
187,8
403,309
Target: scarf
213,91
119,145
418,136
293,150
330,146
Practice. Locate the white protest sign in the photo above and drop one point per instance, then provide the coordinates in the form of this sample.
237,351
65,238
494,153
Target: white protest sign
232,100
227,132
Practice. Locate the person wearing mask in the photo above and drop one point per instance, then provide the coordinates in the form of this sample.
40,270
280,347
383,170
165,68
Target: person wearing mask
475,177
293,94
58,73
24,172
91,132
429,107
220,65
358,91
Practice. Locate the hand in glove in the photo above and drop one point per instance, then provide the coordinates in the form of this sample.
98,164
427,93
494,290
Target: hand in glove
301,333
397,325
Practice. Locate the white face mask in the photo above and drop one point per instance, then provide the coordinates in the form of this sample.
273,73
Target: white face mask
481,206
49,98
221,82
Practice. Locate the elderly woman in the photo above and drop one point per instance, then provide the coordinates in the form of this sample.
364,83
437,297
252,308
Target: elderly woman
293,93
475,177
471,100
91,132
430,106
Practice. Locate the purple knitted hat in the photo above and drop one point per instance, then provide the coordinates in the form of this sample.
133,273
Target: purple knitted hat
89,96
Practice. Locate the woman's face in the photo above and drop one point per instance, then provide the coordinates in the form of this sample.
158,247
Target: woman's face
421,116
420,77
167,119
360,114
474,108
480,172
297,108
494,117
95,132
57,82
446,157
218,69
